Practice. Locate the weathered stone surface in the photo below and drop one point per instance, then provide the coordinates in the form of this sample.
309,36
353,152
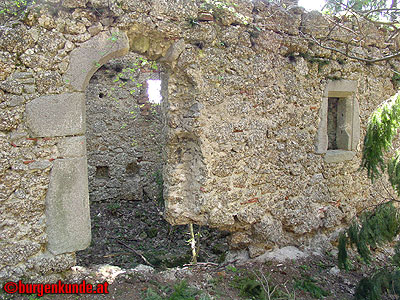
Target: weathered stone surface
11,86
173,52
7,65
86,59
282,254
40,165
56,115
271,228
244,107
340,88
67,207
74,3
335,156
48,82
14,253
47,263
10,118
70,147
15,40
123,162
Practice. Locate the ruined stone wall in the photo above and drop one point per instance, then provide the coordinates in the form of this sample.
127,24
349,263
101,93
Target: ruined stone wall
123,132
245,105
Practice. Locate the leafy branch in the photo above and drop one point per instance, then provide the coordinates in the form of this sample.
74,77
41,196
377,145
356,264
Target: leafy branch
13,8
359,13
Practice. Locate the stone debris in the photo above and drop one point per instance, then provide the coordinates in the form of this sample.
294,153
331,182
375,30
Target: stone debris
282,254
246,122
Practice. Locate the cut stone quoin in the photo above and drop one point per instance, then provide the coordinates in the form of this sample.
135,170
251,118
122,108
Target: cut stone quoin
246,118
56,115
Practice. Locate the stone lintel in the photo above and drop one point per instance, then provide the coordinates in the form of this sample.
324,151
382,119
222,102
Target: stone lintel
340,88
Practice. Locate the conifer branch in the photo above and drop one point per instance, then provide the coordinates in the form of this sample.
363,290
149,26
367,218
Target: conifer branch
381,129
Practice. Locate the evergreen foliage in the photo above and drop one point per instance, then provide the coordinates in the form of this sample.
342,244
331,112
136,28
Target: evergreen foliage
382,128
383,281
308,284
381,225
181,291
372,229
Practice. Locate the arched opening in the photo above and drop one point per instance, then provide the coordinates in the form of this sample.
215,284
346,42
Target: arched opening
120,179
124,137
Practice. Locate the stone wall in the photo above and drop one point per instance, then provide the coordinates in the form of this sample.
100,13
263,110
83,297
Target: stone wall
245,106
124,132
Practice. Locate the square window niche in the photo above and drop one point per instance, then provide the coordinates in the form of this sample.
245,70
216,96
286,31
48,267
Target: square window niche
339,128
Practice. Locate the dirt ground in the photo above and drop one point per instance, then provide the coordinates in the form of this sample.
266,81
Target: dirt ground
314,277
128,234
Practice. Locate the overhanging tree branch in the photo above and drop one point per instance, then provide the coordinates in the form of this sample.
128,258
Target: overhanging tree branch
366,60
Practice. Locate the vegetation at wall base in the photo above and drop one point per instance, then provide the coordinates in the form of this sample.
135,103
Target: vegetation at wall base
180,291
381,224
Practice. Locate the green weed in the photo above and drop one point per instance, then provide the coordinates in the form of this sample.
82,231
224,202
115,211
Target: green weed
308,284
181,291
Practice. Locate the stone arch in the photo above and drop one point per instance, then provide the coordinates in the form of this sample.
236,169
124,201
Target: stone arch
62,116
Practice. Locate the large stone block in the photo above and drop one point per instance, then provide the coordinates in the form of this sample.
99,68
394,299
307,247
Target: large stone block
321,144
72,147
67,207
91,55
336,156
344,130
340,88
56,115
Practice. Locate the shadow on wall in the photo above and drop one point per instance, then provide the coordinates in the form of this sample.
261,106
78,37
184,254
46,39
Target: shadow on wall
124,130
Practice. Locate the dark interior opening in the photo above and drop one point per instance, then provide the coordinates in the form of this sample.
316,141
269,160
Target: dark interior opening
332,123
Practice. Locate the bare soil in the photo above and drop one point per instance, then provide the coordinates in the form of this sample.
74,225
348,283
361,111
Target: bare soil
309,278
129,233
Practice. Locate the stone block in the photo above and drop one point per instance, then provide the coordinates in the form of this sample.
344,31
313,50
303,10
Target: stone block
10,118
56,115
72,147
356,126
91,55
344,128
67,207
74,3
340,88
335,156
283,254
322,136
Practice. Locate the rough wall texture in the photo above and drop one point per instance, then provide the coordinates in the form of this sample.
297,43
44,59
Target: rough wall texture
124,132
243,104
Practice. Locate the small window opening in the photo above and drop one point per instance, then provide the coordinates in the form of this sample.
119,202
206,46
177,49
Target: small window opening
332,123
132,169
154,91
102,172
